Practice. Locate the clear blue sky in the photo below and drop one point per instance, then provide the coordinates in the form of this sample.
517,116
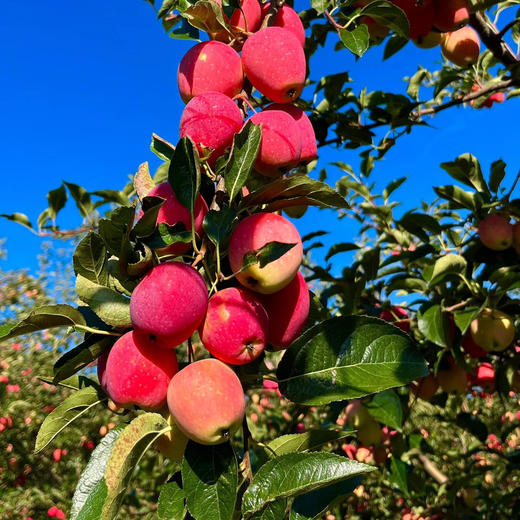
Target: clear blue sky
85,85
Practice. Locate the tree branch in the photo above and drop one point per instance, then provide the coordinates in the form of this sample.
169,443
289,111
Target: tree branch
432,469
491,37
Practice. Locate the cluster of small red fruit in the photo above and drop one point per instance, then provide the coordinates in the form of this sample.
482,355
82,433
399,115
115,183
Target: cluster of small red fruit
261,306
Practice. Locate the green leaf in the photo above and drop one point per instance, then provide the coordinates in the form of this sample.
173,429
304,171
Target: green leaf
112,307
171,504
210,480
92,475
312,505
81,356
386,408
297,473
206,15
94,505
473,425
114,230
434,324
127,451
398,475
274,511
111,196
73,382
356,41
296,190
143,182
145,226
90,259
162,148
19,218
389,15
69,410
320,5
459,198
342,247
82,199
416,223
446,265
184,173
392,186
466,169
265,255
166,235
41,318
218,224
330,361
394,45
497,174
57,199
463,318
243,155
300,442
185,31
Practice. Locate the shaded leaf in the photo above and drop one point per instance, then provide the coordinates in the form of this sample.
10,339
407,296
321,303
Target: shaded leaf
218,224
171,502
90,259
386,408
357,40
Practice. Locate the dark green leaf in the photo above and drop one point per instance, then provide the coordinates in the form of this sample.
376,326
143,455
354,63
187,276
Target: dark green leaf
218,224
112,307
171,502
463,318
398,474
243,155
329,362
342,247
297,473
145,226
434,324
497,174
41,318
388,15
356,41
166,235
162,148
57,199
386,408
394,45
274,511
459,198
90,259
81,356
93,474
320,5
446,265
19,218
82,199
312,505
210,480
300,442
114,230
111,196
184,173
69,410
93,507
466,169
265,255
473,425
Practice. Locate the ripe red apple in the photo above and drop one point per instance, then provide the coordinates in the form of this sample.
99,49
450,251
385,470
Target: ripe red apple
254,232
288,311
450,15
249,17
453,379
281,143
169,303
484,376
309,149
419,14
287,18
493,330
211,120
172,212
425,387
235,327
206,401
274,63
461,47
496,232
398,316
210,66
136,372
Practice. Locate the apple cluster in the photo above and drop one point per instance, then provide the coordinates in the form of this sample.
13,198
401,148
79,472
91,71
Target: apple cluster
437,22
264,305
212,75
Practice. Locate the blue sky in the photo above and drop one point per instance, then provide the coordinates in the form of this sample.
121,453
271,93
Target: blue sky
83,88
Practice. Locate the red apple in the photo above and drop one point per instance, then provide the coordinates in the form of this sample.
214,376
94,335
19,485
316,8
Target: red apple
496,232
